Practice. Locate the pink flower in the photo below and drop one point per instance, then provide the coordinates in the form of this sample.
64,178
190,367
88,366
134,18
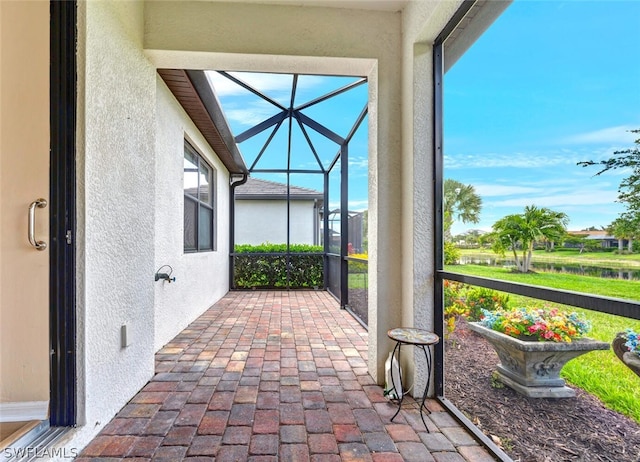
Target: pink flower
536,327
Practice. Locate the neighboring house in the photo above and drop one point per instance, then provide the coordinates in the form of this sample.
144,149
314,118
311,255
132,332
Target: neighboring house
261,213
111,125
605,239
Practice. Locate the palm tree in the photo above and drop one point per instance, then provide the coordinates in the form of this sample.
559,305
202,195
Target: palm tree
460,202
623,228
521,231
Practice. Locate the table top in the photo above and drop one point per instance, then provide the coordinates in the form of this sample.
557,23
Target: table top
413,336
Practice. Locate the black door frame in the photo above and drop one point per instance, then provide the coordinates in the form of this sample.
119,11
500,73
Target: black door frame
62,274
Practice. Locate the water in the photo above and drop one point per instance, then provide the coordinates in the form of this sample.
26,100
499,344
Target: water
583,270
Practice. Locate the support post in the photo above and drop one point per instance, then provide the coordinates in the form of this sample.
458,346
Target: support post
325,229
344,225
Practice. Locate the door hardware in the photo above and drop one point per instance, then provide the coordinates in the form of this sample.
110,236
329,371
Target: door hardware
40,203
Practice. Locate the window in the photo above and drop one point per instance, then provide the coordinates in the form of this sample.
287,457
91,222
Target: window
199,200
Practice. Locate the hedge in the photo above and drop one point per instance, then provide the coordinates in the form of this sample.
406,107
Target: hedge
254,270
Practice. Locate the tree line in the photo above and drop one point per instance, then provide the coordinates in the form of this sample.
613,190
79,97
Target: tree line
518,233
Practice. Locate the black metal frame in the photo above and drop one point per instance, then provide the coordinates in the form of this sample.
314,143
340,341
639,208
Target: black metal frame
199,203
608,305
62,256
292,113
619,307
438,158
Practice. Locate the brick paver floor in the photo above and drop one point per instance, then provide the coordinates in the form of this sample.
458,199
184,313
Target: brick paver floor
274,376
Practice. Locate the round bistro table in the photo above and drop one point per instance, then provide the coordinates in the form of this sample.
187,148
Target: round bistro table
422,339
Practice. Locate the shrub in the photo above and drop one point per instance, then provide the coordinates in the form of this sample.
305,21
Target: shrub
453,291
359,267
481,298
451,253
454,306
462,300
253,269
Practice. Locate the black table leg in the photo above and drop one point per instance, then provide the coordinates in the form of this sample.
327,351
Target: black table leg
393,383
427,356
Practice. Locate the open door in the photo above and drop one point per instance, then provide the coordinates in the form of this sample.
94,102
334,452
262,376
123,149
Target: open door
24,212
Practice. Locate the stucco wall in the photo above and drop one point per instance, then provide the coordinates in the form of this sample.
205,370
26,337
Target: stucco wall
130,213
201,278
422,22
259,221
116,207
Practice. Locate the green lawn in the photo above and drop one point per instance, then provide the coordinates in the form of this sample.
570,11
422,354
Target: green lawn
358,280
600,373
617,288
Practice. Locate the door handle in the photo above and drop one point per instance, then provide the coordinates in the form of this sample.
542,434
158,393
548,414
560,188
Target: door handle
40,203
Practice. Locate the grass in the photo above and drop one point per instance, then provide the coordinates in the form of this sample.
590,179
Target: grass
618,288
600,373
358,280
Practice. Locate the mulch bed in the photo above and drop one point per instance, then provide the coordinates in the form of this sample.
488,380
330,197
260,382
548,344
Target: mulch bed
533,430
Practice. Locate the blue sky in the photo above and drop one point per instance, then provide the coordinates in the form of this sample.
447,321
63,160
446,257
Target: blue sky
550,83
339,114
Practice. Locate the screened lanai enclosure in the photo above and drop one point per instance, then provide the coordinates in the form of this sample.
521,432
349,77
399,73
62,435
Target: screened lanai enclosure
299,212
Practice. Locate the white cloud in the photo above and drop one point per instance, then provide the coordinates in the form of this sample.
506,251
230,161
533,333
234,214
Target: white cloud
619,136
358,206
265,83
354,205
490,190
585,197
359,162
515,160
250,114
261,82
554,157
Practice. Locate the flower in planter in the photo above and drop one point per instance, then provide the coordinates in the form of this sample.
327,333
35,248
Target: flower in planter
536,324
633,341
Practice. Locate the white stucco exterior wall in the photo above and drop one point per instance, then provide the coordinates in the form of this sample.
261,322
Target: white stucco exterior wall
422,23
129,199
260,221
201,278
116,213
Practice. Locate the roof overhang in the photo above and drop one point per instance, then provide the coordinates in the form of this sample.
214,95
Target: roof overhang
193,92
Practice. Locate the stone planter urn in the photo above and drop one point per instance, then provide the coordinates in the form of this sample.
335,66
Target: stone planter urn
532,368
631,360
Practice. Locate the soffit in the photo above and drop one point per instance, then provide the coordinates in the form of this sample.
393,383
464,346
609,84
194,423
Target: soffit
372,5
207,116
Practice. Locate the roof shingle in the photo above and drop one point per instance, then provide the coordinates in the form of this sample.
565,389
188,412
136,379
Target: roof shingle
255,188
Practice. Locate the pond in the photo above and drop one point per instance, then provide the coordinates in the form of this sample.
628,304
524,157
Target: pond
584,270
